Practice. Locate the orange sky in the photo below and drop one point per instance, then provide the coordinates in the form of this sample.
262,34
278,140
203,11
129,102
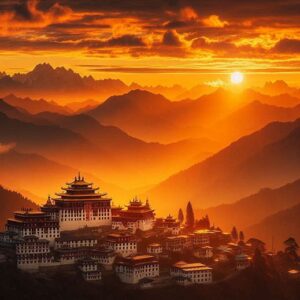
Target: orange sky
155,42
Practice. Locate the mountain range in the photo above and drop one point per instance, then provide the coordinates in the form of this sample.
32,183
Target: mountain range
35,175
278,227
254,208
234,155
266,158
98,149
65,85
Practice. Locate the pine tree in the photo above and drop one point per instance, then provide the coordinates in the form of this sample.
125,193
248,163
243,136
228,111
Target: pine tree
259,262
180,216
190,218
241,236
291,247
207,222
234,234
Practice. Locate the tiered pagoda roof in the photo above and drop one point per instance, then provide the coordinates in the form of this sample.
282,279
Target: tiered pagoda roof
28,217
135,211
79,190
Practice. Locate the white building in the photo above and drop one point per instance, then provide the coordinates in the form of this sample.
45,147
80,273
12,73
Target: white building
80,205
90,269
178,243
196,273
133,269
204,252
201,237
28,222
242,261
75,242
136,216
122,244
154,249
33,253
169,225
105,257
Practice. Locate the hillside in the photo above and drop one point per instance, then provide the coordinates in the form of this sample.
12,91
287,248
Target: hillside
152,117
268,157
261,204
279,226
35,106
254,116
11,201
41,176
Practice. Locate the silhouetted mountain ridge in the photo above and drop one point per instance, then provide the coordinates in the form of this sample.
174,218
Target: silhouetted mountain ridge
269,157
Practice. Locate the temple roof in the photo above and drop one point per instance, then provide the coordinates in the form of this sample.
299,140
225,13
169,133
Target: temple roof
138,260
79,181
80,190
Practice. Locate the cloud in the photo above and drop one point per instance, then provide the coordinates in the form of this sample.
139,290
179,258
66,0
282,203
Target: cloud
4,148
125,40
188,14
188,28
214,21
287,46
171,38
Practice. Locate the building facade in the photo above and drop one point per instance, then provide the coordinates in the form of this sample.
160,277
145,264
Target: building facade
90,269
79,205
133,269
242,261
33,253
122,244
154,249
28,222
136,216
195,273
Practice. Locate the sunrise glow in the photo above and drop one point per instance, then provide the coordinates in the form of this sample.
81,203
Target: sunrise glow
237,78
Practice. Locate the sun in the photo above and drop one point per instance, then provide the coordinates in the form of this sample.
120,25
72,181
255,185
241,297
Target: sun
237,77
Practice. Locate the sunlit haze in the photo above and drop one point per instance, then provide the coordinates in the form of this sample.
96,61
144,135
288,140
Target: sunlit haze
149,149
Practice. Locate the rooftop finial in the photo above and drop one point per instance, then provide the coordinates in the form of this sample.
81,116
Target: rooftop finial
147,203
79,175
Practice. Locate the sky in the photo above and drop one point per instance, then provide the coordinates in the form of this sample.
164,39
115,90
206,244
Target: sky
152,41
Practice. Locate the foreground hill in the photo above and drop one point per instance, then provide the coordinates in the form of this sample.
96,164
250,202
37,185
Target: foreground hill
254,208
11,201
269,157
41,176
247,285
278,227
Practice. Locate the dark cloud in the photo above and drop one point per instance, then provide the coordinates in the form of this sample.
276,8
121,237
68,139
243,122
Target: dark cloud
170,38
125,40
175,24
287,46
170,27
22,11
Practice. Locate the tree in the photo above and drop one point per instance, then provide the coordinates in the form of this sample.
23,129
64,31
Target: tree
234,234
190,218
207,221
291,247
203,223
241,236
180,216
259,262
